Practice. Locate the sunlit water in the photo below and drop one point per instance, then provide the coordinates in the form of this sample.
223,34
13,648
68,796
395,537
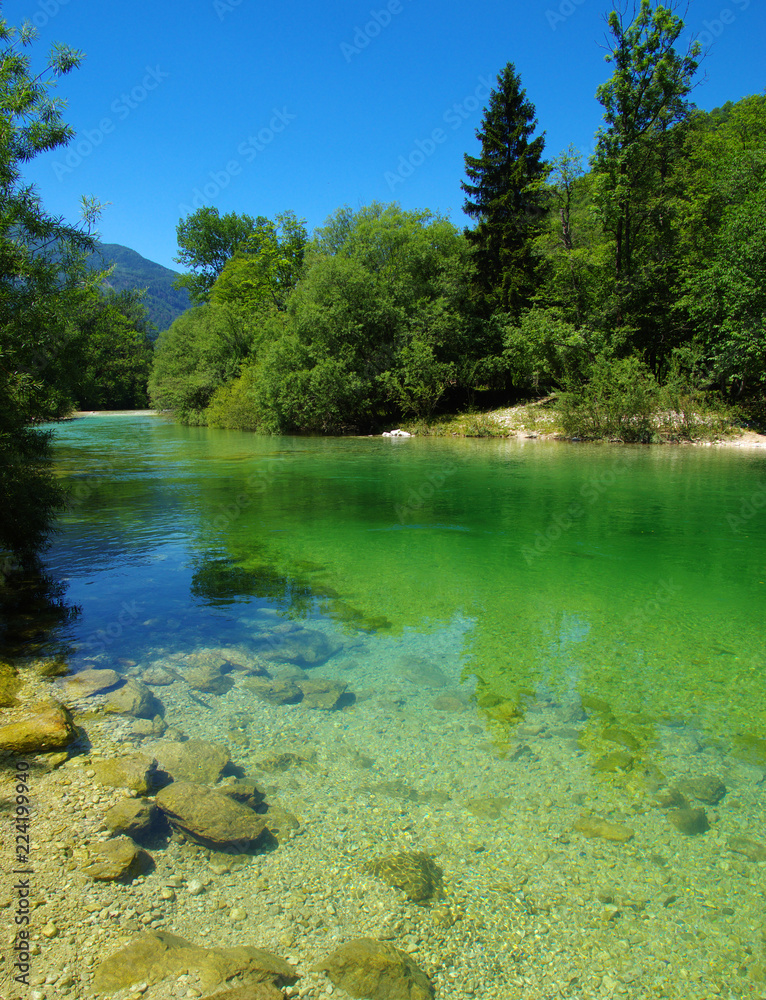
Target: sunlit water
630,580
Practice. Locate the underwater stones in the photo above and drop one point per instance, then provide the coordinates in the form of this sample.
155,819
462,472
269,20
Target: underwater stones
144,728
597,826
244,791
89,682
135,771
10,685
751,849
615,734
152,958
135,818
134,698
487,808
48,729
212,819
418,670
158,677
376,970
280,823
281,762
289,643
415,873
689,821
202,761
255,991
325,695
449,703
117,860
210,678
284,692
750,749
615,762
707,788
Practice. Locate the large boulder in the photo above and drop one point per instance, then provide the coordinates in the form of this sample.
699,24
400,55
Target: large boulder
155,957
90,682
45,730
376,970
212,819
201,761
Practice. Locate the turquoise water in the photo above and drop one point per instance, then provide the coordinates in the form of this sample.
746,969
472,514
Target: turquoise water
633,575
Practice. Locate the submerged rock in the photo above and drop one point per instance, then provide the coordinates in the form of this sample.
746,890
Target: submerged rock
376,970
89,682
284,692
707,788
751,849
203,761
289,643
416,874
50,728
210,678
135,818
117,860
136,771
321,694
134,698
597,826
212,819
689,821
10,685
155,957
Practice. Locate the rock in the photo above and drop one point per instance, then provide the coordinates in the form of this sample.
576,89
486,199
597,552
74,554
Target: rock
90,682
154,957
319,694
707,788
210,678
671,798
135,818
290,643
117,860
134,698
281,762
10,685
689,821
158,677
615,734
414,873
617,760
244,791
50,728
202,761
597,826
149,727
280,823
135,771
449,703
376,970
487,808
418,670
751,849
397,433
285,692
212,819
256,991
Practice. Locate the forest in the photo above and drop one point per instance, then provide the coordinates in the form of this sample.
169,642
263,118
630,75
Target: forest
620,288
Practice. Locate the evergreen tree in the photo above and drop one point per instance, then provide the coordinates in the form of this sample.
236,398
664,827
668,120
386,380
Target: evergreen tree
505,195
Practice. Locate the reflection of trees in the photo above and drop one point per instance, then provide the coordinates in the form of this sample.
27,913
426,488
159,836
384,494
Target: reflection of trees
218,581
33,613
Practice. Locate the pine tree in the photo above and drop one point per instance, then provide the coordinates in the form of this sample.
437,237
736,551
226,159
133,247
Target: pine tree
505,195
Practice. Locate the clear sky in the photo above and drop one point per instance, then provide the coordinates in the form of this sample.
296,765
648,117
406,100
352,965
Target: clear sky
259,107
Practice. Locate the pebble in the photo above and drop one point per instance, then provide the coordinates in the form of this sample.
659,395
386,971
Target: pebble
195,887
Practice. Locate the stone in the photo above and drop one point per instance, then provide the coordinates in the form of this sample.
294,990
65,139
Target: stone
671,798
89,682
449,703
418,670
284,692
149,727
48,729
243,790
415,873
154,957
707,788
10,685
280,823
134,698
488,808
135,818
281,762
614,762
376,970
615,734
290,643
597,826
158,677
117,860
689,821
256,991
202,761
321,694
212,819
135,771
211,678
751,849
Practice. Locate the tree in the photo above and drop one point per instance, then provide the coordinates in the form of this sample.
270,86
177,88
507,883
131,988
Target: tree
42,266
635,153
206,242
505,195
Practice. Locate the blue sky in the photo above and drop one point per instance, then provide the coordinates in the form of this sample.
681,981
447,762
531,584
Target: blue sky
260,107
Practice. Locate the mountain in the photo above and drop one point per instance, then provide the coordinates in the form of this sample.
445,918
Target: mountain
163,302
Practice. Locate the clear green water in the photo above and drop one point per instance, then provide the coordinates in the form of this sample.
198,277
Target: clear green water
611,572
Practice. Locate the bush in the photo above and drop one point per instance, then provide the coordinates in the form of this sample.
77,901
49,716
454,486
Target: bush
618,401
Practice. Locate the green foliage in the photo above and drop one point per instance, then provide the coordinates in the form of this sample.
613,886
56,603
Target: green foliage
544,352
505,195
617,402
206,242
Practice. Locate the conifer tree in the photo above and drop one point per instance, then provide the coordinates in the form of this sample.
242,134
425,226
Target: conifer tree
505,195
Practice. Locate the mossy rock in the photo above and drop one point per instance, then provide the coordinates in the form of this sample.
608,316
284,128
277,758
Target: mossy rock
416,874
616,734
750,749
10,685
616,762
